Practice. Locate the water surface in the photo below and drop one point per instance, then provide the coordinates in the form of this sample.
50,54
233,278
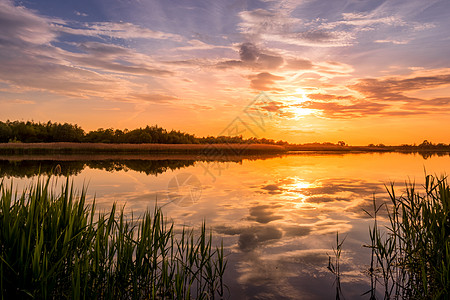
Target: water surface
278,216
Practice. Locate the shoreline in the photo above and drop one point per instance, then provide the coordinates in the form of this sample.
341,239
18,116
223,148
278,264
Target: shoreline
102,148
212,151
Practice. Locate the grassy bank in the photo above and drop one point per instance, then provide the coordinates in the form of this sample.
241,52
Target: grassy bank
337,148
226,152
55,246
211,150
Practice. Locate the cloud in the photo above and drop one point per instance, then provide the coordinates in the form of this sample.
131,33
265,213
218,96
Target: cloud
365,19
377,17
118,30
264,213
230,64
157,98
356,109
333,186
21,26
315,38
254,237
335,106
104,64
288,272
325,191
252,57
278,25
363,108
26,69
392,88
281,22
113,58
101,49
199,45
378,20
389,96
324,199
30,58
250,54
95,59
80,14
438,102
263,81
297,230
299,64
22,101
272,189
328,97
396,42
260,21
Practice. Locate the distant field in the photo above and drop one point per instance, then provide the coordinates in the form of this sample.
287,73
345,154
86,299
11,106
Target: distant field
204,149
208,150
339,148
333,148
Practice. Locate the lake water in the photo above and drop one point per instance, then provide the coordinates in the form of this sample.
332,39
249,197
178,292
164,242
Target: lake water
278,216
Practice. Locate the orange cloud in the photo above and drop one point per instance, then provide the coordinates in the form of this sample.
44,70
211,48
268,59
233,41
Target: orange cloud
264,81
385,96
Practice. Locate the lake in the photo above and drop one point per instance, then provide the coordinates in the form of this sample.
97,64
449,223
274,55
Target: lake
277,215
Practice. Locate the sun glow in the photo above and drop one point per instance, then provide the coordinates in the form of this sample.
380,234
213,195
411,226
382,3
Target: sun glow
301,92
295,189
295,104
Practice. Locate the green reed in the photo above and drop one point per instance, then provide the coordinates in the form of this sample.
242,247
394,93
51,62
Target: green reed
56,246
334,266
412,256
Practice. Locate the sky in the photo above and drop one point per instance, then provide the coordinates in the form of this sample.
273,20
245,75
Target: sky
302,71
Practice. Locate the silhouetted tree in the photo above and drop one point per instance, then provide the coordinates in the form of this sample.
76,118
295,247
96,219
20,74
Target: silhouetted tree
31,132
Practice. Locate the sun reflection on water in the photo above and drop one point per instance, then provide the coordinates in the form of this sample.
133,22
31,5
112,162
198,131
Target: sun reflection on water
295,190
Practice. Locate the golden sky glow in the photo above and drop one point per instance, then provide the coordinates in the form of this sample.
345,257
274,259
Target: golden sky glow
363,72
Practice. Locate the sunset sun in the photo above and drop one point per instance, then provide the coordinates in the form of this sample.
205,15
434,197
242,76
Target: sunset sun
296,105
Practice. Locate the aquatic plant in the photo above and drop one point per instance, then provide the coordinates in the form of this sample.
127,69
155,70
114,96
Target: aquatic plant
411,256
334,266
56,246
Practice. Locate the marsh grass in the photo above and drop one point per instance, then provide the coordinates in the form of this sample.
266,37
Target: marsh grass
203,150
56,246
411,256
334,266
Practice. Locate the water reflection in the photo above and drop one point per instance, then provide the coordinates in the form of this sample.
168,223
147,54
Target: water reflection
29,166
428,154
277,216
264,213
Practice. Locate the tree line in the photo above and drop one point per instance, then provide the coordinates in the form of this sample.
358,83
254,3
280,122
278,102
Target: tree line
425,145
32,132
